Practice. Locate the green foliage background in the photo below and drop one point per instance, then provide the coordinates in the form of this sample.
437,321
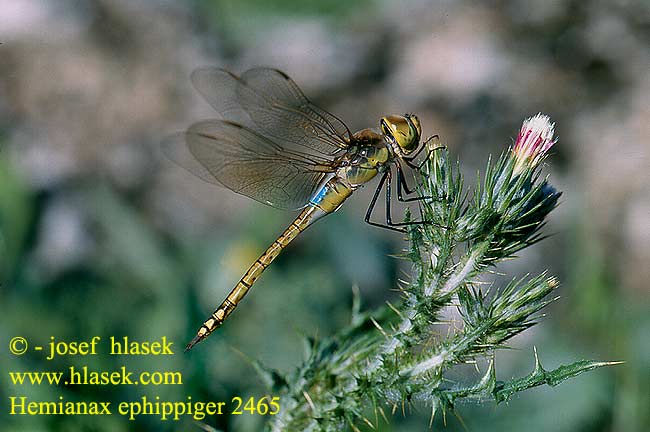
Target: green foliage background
99,235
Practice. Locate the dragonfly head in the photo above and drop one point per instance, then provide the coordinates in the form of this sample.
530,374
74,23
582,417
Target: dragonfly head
403,131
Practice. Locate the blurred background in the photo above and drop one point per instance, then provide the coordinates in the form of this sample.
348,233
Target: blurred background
100,235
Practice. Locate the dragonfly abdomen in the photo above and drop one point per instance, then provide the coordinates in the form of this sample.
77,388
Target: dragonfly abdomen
308,216
327,200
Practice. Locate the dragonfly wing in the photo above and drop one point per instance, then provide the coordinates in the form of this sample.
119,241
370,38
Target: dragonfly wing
275,106
219,88
246,162
175,148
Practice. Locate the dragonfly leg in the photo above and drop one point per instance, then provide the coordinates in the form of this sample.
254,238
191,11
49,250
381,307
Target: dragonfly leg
386,178
430,151
403,187
389,220
373,202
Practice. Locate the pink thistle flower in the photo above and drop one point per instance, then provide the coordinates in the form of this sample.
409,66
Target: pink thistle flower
533,142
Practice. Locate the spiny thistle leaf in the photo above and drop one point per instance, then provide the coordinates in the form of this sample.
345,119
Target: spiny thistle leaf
504,390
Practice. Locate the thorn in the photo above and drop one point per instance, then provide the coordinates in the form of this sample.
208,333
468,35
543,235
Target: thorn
610,363
461,421
309,401
242,355
368,422
538,364
433,413
489,379
383,414
381,330
394,309
374,406
356,302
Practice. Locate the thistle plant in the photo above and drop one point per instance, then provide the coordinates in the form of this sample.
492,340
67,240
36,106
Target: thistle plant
401,354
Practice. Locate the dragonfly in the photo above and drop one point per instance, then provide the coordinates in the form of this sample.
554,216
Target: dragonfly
273,145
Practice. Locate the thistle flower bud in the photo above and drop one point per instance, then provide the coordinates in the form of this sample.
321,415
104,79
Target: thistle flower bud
533,142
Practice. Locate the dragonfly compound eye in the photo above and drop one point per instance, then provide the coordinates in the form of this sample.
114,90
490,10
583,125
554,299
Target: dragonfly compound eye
403,130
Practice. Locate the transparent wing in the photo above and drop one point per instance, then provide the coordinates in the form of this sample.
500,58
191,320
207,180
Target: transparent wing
234,156
219,88
268,101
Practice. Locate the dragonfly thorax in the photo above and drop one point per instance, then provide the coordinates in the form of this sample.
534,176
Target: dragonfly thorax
365,165
366,159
